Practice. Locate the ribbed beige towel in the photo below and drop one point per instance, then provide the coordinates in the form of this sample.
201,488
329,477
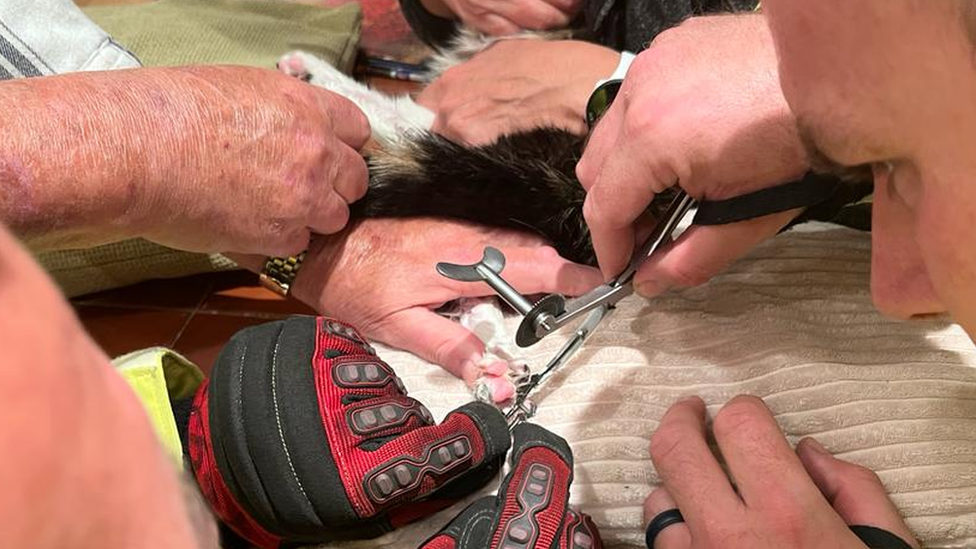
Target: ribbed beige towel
794,324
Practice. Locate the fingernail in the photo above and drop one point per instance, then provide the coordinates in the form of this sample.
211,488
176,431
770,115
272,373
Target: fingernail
815,446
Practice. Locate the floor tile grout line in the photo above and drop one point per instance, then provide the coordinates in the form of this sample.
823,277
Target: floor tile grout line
192,315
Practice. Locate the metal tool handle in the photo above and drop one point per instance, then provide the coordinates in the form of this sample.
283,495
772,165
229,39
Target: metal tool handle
522,408
672,217
540,321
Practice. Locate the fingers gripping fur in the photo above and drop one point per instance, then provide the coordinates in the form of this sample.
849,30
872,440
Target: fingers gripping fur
392,119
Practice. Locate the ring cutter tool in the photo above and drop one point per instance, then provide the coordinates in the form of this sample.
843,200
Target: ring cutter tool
553,311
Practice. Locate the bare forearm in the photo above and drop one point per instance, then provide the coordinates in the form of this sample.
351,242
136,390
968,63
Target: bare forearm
81,466
88,158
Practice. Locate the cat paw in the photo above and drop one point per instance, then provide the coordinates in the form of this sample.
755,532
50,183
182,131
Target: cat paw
293,64
491,381
499,371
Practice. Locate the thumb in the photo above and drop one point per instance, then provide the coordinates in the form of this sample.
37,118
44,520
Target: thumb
443,342
703,251
856,493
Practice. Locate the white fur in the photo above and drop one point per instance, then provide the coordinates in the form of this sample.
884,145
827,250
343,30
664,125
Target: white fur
392,119
484,317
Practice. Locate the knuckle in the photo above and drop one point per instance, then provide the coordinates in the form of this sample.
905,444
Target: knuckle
595,210
687,274
585,170
338,218
741,415
360,181
857,474
442,351
546,254
666,444
788,524
669,36
640,122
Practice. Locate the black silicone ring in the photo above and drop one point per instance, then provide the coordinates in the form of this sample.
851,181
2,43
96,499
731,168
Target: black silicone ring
879,538
659,523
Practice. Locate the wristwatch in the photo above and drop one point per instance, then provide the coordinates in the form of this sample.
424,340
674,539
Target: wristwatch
605,90
279,273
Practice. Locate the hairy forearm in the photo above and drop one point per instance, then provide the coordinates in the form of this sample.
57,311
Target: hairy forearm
85,157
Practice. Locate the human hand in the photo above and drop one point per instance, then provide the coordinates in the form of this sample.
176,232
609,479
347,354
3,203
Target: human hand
380,274
303,435
702,108
531,510
62,397
802,500
518,85
246,160
501,17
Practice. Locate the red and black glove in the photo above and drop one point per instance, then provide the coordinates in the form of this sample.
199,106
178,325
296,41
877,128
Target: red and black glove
531,510
303,435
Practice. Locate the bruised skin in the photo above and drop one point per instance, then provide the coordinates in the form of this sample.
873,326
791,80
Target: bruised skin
200,158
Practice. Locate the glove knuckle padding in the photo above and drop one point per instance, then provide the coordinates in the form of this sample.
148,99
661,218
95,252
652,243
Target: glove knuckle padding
302,476
531,509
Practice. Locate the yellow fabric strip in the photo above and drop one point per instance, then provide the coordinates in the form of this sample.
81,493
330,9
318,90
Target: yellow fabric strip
158,375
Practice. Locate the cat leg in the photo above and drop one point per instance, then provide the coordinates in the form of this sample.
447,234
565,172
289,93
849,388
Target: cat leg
392,119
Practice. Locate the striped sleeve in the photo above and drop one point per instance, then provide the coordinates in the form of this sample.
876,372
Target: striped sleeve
45,37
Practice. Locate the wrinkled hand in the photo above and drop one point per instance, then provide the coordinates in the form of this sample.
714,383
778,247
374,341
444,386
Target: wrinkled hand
531,510
802,500
501,17
518,85
380,275
303,435
246,160
701,107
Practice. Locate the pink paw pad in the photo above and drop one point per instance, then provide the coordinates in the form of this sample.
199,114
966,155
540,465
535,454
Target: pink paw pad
293,65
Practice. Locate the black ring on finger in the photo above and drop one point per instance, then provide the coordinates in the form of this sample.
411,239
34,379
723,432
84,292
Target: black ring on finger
879,538
661,521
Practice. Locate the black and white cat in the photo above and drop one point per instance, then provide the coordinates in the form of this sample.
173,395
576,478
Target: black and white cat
523,181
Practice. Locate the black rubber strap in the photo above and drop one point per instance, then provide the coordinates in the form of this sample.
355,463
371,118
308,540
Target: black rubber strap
661,521
804,193
877,538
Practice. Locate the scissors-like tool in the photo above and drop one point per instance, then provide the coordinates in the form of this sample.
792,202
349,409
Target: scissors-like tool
553,311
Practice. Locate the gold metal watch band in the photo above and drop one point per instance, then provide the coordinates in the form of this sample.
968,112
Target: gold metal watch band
279,273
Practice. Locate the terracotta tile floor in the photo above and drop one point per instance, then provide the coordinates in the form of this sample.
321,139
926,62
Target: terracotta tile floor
194,315
197,315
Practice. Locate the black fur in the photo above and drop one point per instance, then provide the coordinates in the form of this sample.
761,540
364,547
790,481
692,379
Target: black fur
524,181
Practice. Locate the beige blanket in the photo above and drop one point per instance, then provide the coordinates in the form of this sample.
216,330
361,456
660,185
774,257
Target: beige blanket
794,324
